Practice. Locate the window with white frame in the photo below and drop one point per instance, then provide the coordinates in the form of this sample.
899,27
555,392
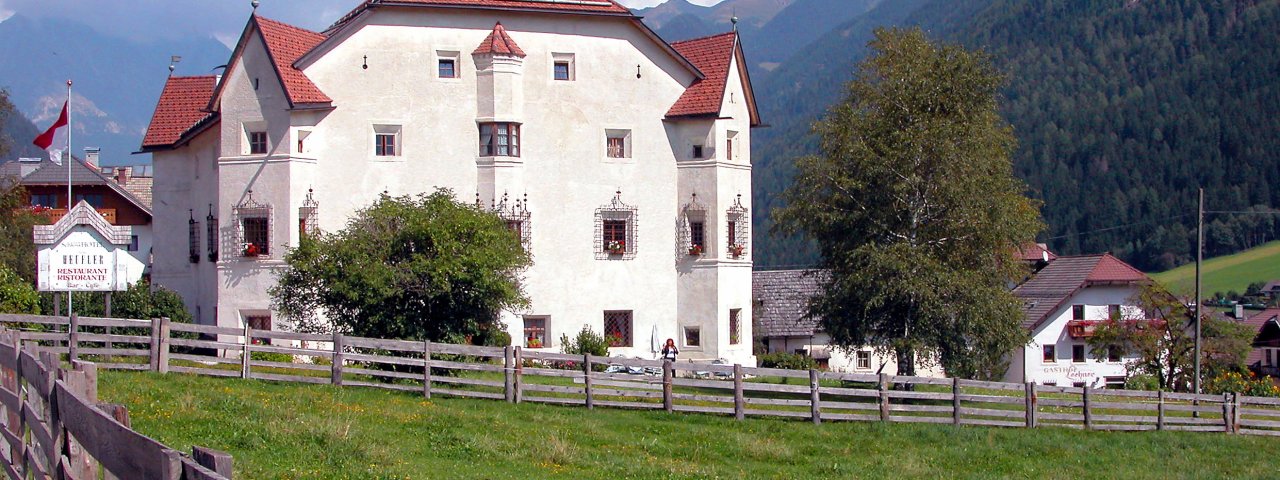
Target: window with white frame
499,139
617,143
386,140
616,230
693,337
255,138
253,222
562,67
447,65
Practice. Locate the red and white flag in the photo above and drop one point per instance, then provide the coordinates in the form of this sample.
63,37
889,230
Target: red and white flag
45,140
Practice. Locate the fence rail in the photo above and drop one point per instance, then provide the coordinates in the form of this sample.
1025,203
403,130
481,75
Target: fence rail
54,428
517,375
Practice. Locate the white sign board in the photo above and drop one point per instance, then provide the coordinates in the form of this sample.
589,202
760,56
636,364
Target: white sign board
82,253
80,263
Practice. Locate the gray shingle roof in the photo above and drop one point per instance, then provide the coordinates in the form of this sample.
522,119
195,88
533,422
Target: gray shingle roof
781,299
49,173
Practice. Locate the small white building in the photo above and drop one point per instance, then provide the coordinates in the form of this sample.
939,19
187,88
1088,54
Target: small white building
571,118
781,305
1062,304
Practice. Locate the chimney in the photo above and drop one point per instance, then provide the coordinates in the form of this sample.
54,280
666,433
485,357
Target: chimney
1239,311
122,175
27,165
91,156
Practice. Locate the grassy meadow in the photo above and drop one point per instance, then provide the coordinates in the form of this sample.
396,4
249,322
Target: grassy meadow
292,431
1228,272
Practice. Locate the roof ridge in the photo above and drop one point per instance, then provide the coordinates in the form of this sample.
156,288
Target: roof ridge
706,37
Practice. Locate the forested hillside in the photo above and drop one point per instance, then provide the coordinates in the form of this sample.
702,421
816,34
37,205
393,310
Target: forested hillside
1122,109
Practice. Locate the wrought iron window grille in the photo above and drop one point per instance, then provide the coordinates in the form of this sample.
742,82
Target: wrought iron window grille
619,222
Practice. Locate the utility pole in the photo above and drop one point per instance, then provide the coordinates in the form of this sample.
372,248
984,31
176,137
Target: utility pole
1199,294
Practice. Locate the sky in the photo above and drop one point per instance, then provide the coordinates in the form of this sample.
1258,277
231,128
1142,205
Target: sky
150,20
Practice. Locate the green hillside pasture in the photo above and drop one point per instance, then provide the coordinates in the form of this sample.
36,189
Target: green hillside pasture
1228,272
314,431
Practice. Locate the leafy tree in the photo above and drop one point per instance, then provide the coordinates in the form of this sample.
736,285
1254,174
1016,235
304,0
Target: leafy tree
420,267
1164,341
17,247
915,210
587,342
142,300
16,294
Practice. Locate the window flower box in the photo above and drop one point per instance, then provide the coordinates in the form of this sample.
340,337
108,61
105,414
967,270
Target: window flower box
250,250
737,249
616,247
695,250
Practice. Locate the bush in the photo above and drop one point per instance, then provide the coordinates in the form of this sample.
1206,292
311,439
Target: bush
271,357
16,295
1243,384
587,342
788,361
1142,382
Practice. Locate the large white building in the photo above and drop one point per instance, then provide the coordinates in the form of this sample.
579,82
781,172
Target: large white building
1062,305
571,117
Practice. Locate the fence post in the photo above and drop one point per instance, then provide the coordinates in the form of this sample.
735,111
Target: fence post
518,356
884,397
155,345
56,429
508,374
426,369
586,380
162,358
83,380
1235,412
1032,404
73,338
335,370
1226,412
815,399
739,403
245,352
955,401
668,371
219,462
1160,410
10,382
1088,412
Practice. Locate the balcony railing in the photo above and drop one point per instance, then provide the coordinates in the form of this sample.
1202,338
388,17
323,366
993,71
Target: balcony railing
1082,328
56,214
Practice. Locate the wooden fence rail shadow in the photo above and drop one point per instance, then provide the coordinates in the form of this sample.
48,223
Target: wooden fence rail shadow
54,428
514,374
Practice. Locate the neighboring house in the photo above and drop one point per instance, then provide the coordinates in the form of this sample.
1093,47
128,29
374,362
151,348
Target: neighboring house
1264,359
45,183
1271,290
571,119
781,301
1062,304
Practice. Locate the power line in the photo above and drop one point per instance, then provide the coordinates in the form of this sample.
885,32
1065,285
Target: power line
1117,227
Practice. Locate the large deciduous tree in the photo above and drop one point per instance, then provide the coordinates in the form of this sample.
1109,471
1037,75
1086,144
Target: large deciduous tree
412,267
915,210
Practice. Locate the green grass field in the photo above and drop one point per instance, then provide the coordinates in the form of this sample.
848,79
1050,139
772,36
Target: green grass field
1229,272
308,431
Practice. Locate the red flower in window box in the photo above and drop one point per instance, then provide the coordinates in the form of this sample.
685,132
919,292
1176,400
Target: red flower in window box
250,250
616,247
737,250
695,250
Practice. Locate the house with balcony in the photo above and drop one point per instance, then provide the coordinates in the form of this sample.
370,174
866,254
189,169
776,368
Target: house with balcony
45,183
1264,359
622,161
1062,305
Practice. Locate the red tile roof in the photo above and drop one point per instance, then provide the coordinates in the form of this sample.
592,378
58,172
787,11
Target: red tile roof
1036,252
712,55
575,6
181,106
285,43
498,42
1110,269
1256,324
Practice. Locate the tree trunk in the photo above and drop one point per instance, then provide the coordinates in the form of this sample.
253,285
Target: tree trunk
906,362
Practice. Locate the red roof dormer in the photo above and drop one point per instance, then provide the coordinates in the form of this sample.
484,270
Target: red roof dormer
499,43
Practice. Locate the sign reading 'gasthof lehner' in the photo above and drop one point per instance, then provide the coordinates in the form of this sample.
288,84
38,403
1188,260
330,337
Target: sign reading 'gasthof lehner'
82,252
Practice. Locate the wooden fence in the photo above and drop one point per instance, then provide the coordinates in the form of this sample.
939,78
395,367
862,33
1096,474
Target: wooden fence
53,427
519,375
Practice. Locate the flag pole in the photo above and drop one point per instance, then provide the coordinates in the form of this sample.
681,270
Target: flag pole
70,160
